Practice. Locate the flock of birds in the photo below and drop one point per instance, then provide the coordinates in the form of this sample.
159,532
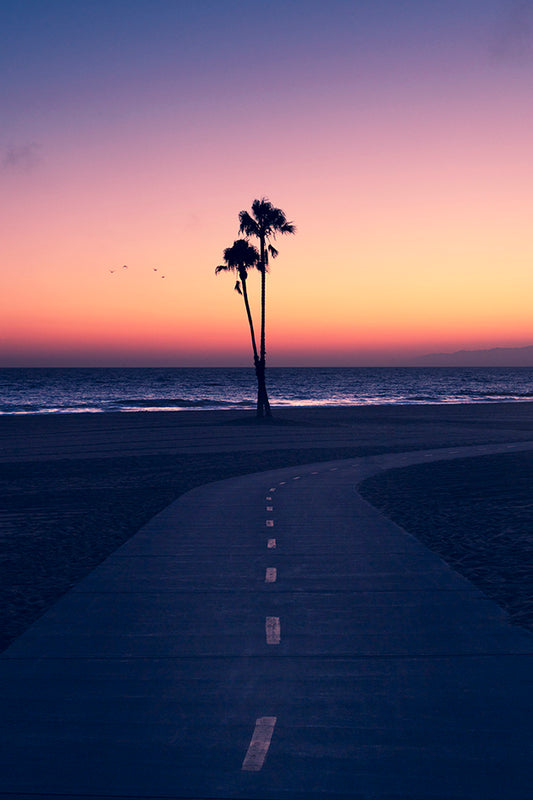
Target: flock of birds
125,266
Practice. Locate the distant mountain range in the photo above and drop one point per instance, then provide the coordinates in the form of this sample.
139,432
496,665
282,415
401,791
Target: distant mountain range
495,357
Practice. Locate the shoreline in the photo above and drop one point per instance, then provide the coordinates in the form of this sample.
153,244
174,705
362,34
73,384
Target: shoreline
249,407
75,487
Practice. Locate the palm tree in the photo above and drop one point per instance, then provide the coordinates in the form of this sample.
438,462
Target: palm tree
239,258
264,223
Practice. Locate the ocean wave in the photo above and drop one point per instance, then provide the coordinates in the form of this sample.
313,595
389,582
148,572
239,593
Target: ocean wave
419,398
176,403
21,410
136,404
502,395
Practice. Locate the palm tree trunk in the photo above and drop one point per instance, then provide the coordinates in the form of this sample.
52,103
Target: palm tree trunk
249,315
263,298
263,406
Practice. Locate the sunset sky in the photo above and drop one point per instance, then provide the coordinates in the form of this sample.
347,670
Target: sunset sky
396,134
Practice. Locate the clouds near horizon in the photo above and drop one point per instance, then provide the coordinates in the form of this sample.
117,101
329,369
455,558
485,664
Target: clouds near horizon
20,157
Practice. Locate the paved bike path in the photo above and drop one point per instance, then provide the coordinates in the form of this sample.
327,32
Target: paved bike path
272,636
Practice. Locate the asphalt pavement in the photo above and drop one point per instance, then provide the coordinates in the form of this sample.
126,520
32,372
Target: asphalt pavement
272,636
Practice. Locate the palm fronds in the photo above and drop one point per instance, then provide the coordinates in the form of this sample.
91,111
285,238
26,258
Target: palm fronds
248,224
241,256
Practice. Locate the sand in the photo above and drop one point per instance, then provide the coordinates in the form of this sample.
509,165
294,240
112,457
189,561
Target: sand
75,487
477,514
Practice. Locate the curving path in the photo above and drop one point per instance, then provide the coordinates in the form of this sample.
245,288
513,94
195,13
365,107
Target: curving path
272,636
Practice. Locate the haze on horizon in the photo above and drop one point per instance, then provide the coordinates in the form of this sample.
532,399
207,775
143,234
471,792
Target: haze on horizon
396,136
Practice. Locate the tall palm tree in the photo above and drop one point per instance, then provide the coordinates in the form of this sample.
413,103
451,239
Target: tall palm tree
264,222
239,258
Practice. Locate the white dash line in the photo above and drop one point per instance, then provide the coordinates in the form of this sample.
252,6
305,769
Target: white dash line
270,508
297,478
268,498
315,472
271,544
259,744
272,489
272,630
271,575
270,523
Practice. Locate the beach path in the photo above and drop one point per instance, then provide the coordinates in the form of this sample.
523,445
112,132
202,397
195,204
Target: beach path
272,636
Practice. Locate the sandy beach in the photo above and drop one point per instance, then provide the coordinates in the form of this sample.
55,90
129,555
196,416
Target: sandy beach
75,487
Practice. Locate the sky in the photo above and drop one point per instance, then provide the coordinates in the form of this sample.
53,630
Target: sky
395,134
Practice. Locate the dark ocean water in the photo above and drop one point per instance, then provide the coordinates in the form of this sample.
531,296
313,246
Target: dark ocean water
61,391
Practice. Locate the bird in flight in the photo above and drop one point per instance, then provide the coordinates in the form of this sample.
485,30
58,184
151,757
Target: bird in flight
125,266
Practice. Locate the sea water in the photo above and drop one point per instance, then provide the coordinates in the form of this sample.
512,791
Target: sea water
93,390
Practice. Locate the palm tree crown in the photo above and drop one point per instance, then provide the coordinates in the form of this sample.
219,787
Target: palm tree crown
240,257
265,223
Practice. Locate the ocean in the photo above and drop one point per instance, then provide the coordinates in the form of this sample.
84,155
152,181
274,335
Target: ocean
96,390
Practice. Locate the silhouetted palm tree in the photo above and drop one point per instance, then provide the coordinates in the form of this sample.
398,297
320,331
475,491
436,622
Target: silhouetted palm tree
239,258
264,223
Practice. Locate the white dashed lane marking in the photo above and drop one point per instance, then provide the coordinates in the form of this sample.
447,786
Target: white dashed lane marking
271,575
272,489
270,508
272,630
268,498
271,544
270,523
259,744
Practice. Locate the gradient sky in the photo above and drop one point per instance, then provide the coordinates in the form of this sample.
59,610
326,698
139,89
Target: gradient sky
398,136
